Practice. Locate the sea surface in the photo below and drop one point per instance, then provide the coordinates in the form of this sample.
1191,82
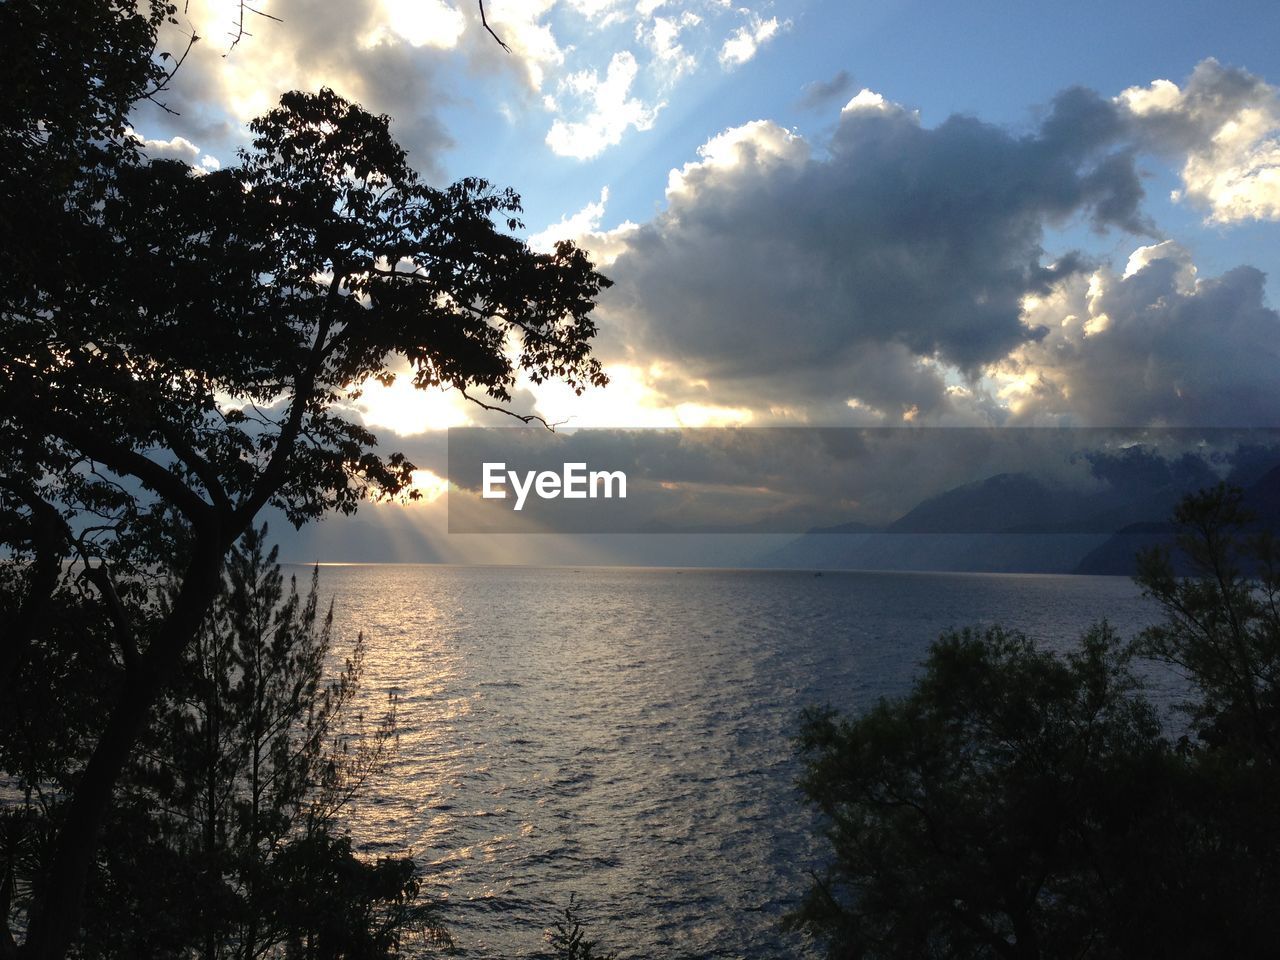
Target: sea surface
624,736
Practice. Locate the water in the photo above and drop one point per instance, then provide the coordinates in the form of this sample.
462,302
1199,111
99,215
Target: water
625,734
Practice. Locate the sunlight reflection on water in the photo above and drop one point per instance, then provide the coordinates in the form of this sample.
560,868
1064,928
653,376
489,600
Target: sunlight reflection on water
624,734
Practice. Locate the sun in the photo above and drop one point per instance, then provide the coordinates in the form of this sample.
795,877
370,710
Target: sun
407,411
429,486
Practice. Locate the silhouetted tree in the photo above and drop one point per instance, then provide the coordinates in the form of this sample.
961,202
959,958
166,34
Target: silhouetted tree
177,342
980,815
1222,624
1017,803
232,803
568,937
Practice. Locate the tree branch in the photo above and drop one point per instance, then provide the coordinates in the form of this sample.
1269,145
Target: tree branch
124,460
49,533
485,24
303,386
522,417
100,577
198,464
169,75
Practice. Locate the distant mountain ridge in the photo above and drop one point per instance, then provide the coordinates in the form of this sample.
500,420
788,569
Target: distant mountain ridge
1117,555
1018,523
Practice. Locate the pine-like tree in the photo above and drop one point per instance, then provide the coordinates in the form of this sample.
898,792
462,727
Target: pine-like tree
238,802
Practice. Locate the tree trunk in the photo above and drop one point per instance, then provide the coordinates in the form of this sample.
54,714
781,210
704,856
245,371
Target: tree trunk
59,907
49,538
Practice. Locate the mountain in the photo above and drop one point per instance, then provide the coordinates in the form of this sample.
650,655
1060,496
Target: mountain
1017,523
1006,502
962,552
1006,523
1118,555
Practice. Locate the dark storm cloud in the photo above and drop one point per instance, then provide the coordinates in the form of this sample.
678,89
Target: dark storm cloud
1159,346
822,93
812,277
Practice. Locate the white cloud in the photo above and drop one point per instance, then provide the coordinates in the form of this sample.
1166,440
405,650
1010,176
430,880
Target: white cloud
793,276
635,397
176,148
583,228
420,23
744,43
1160,96
391,56
1226,123
601,12
610,110
1239,176
1140,259
384,54
521,25
759,143
408,411
571,227
867,100
662,37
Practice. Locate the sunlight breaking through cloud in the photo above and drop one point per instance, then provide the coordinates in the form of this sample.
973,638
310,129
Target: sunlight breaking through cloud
1226,123
407,411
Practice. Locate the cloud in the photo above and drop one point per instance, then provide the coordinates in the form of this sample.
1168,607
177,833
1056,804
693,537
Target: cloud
584,227
175,148
600,11
1155,344
523,26
662,36
585,221
396,57
867,100
746,41
822,92
421,23
1226,124
873,271
899,273
895,272
384,54
609,109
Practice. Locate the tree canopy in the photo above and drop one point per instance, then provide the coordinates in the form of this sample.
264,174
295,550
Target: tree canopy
184,344
1020,802
225,839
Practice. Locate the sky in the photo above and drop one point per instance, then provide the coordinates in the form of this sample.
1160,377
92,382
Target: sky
821,214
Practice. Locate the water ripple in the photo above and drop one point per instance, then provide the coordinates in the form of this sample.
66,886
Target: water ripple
625,735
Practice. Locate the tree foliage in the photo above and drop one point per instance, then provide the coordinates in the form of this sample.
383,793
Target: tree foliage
1222,625
568,937
1023,803
72,71
211,350
225,840
180,343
